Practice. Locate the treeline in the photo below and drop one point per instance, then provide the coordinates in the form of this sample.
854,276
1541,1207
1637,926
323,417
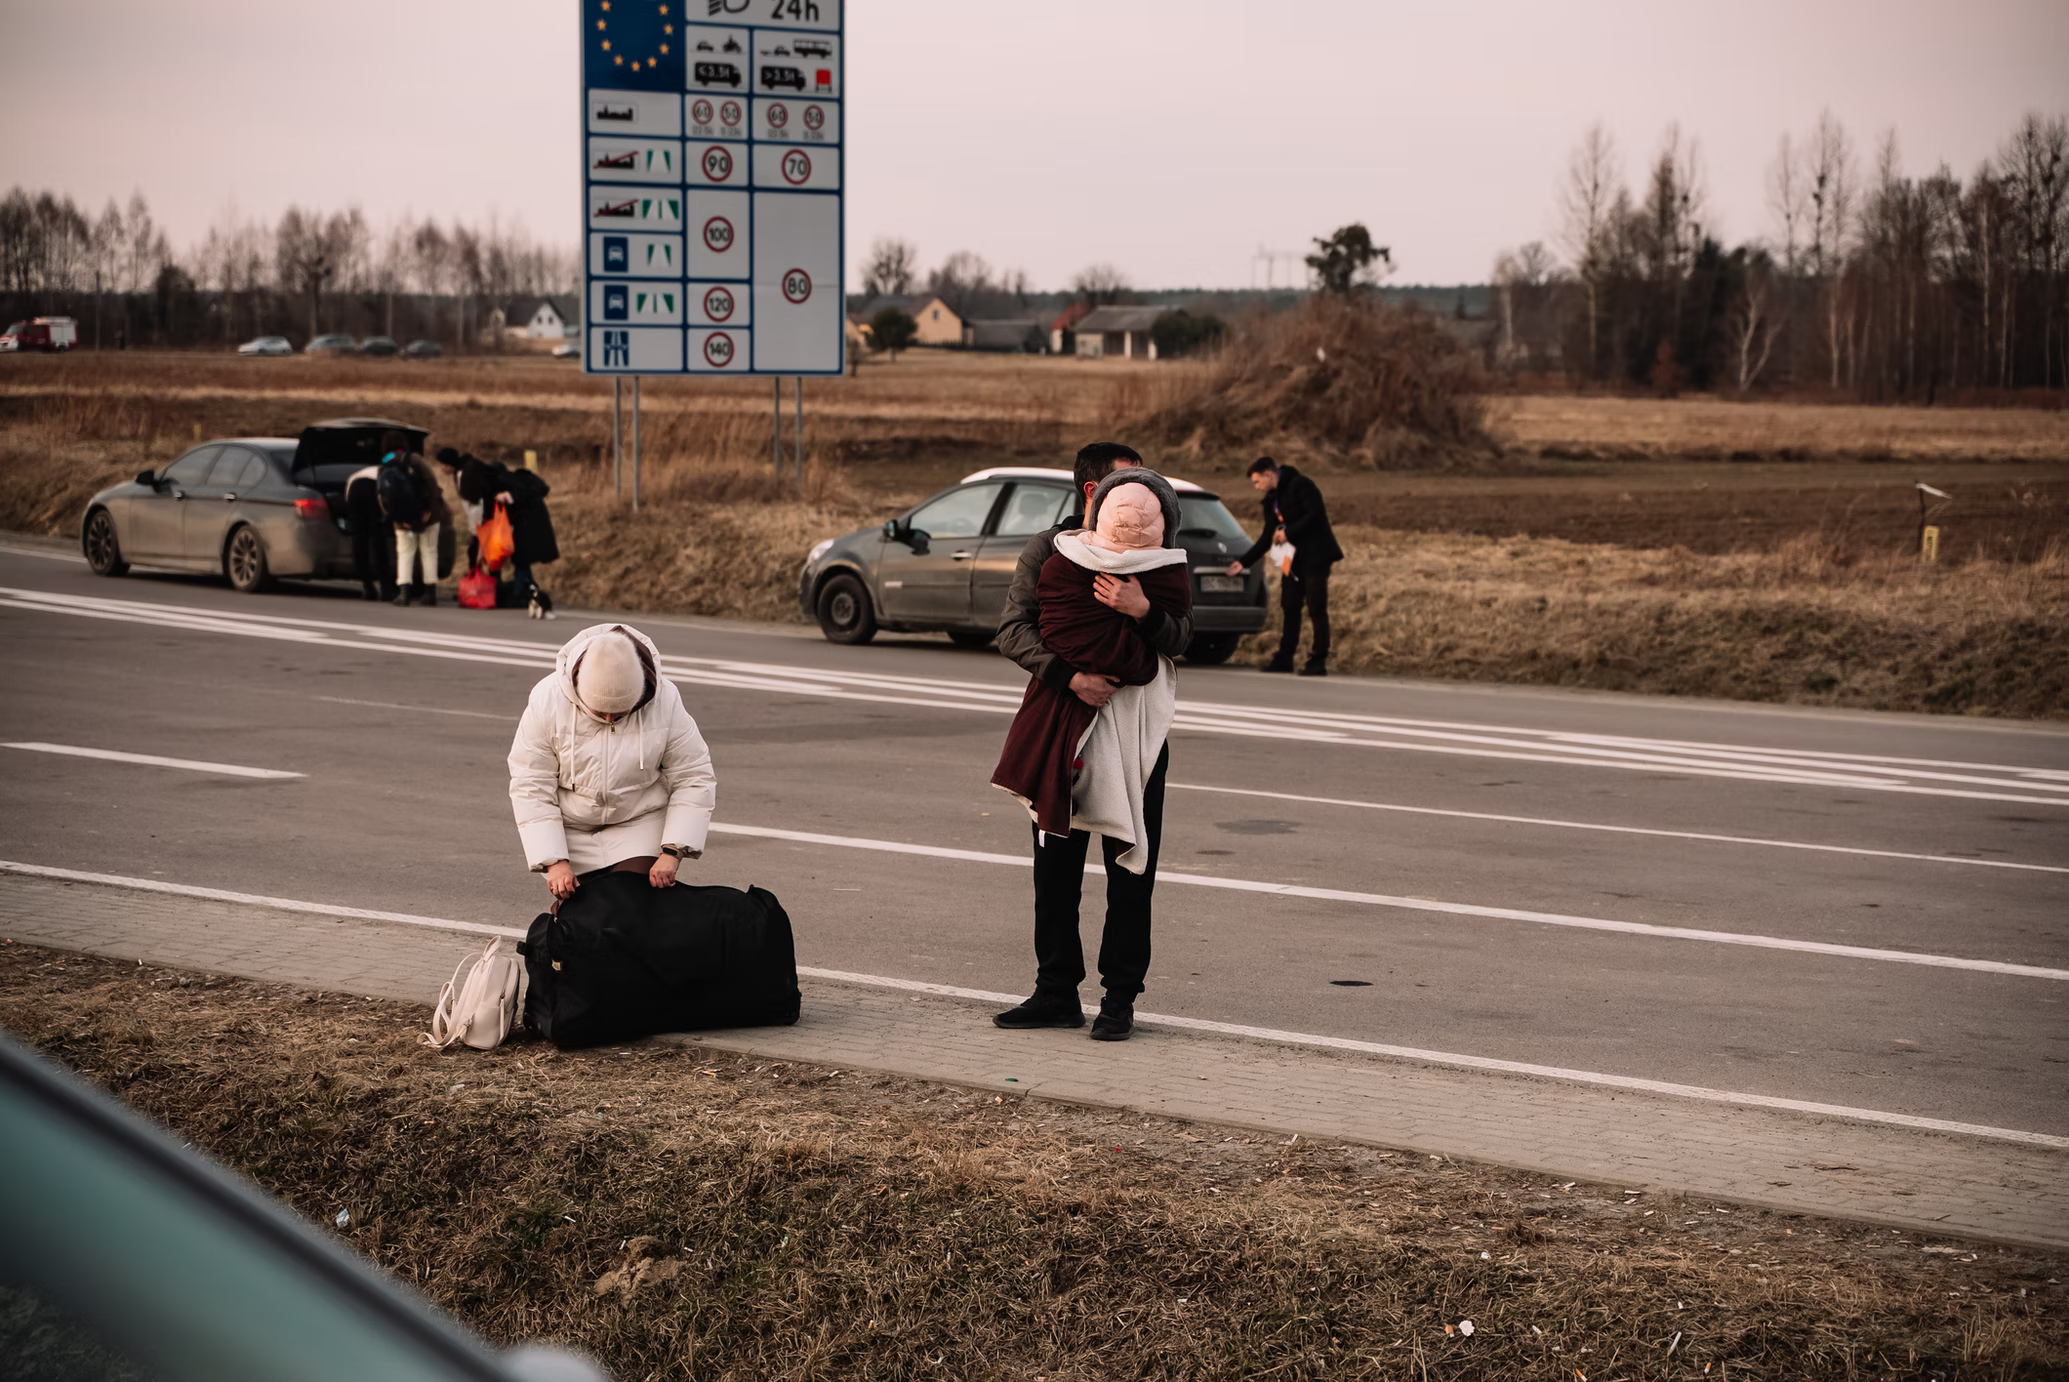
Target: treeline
308,273
1878,284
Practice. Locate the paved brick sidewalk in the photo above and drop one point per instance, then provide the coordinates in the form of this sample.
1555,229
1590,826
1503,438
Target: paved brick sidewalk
1930,1182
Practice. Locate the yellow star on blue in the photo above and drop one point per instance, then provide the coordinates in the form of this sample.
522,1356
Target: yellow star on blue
631,44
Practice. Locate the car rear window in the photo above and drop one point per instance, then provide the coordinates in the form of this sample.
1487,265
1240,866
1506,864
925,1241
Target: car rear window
1203,515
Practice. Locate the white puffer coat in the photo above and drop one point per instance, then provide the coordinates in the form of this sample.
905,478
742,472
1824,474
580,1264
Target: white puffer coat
594,793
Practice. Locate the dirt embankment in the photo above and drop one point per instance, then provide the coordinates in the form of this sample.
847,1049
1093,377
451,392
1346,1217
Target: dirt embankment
682,1213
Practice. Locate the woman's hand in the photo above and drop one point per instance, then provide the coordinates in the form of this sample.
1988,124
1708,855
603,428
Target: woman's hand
662,874
561,880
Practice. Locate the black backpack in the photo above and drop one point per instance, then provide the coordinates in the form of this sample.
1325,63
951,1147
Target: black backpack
625,959
398,491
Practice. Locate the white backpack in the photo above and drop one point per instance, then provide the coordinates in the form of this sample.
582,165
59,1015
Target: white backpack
479,1002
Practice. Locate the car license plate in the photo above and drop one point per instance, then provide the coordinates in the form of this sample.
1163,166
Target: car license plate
1220,584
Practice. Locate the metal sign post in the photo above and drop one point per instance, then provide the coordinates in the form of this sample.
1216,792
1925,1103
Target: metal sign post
617,438
799,434
635,443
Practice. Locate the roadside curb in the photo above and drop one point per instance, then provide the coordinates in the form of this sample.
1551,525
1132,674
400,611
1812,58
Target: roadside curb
1779,1160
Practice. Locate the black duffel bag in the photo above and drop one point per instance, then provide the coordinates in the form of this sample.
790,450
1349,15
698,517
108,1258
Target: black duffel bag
624,959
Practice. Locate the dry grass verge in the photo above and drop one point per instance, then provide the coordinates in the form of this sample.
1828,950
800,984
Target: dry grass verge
684,1213
1804,624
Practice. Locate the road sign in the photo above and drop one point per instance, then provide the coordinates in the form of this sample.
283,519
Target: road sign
713,179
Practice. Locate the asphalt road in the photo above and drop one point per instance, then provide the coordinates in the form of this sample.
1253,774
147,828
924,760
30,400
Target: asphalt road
1487,862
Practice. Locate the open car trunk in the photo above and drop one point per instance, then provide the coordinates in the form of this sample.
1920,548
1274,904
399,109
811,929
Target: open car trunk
328,453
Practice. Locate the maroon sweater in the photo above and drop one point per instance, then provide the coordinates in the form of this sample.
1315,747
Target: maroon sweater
1039,761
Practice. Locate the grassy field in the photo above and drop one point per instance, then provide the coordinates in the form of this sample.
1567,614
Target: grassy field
1692,546
683,1213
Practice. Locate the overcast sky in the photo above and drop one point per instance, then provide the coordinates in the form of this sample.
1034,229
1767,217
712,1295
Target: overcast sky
1172,138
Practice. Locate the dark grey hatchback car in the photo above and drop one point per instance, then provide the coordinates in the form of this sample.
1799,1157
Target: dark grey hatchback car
945,565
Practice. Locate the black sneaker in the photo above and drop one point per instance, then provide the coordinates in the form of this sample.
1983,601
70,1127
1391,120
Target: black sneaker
1279,665
1041,1011
1315,669
1116,1020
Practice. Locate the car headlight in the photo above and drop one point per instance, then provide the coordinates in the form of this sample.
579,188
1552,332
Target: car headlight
819,549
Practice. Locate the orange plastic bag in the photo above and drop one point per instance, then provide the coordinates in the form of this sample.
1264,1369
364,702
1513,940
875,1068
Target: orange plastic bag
498,541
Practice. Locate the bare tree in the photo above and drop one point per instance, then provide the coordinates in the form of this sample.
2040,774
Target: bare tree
1832,196
1588,203
1788,198
961,279
312,250
1754,321
892,266
1100,285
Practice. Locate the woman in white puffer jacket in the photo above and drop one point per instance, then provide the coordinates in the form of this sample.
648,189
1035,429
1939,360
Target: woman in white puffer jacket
608,770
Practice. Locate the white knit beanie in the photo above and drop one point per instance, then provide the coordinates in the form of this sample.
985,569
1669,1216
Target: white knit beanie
611,679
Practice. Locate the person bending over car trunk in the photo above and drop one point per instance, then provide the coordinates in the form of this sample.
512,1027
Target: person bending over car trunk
1059,862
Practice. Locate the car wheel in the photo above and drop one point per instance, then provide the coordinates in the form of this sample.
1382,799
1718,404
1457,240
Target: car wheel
103,551
845,615
971,638
244,561
1211,649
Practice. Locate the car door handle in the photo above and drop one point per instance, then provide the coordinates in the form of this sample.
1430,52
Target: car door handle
965,556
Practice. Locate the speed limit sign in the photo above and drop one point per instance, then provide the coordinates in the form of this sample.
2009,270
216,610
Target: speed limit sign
797,285
797,167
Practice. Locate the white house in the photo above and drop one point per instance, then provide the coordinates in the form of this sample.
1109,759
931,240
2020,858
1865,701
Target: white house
537,319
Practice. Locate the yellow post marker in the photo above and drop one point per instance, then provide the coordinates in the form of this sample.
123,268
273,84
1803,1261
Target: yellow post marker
197,431
531,461
1929,543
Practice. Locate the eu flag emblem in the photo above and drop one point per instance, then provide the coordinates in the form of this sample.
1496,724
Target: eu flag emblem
632,45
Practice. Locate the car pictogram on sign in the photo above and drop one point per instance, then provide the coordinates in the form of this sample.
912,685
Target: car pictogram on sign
718,163
718,349
618,209
797,285
628,159
718,234
726,74
718,303
797,167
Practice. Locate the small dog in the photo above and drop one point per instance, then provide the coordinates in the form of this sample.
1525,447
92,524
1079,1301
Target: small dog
541,605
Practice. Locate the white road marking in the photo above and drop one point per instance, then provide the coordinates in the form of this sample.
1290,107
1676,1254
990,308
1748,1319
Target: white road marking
1617,829
2033,786
1410,1053
421,709
1423,904
191,765
47,554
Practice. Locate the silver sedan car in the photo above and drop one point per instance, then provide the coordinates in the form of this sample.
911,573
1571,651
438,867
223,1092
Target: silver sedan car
946,564
251,508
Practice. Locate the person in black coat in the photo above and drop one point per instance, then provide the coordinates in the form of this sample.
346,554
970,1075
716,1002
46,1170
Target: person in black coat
531,526
1294,513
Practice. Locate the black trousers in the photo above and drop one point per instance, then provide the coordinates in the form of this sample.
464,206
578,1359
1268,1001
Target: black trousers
1305,586
373,541
1059,880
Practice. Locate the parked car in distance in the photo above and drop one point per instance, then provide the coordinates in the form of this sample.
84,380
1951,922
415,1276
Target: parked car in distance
251,508
567,350
423,350
379,345
127,1255
331,343
40,333
946,564
266,345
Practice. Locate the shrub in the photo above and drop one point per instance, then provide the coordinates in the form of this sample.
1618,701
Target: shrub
1337,379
